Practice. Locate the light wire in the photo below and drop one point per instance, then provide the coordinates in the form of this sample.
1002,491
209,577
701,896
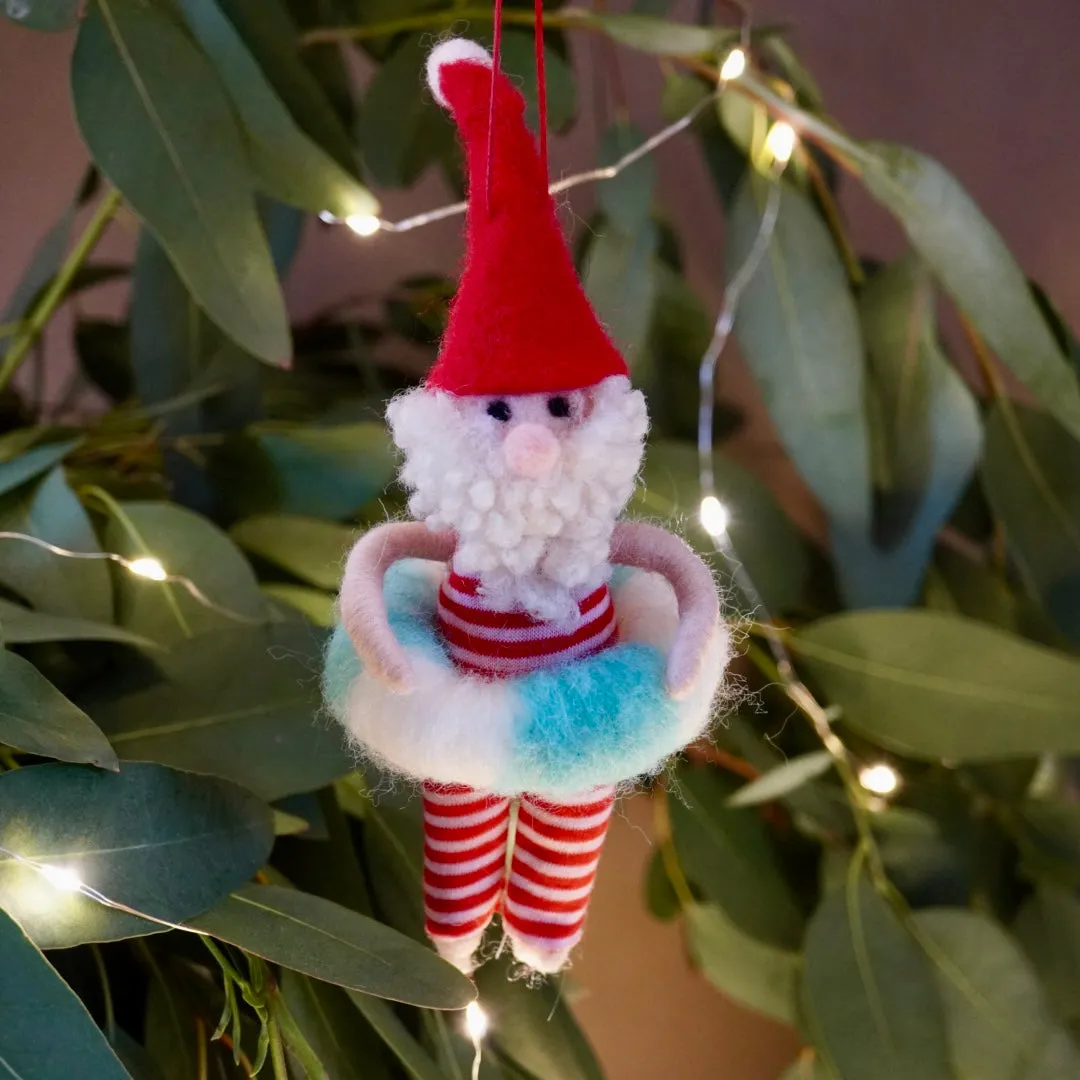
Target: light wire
136,567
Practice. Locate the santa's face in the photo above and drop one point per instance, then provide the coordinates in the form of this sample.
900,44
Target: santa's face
532,484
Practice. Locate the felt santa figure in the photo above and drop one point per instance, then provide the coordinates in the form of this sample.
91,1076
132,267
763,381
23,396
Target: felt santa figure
517,648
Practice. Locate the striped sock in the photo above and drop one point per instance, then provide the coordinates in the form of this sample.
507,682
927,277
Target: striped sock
465,834
556,851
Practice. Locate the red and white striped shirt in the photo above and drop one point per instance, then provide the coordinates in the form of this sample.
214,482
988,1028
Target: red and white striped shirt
500,644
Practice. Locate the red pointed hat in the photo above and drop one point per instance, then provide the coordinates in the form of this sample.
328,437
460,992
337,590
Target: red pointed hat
521,323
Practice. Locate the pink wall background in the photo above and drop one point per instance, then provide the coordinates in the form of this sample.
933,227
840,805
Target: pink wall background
987,86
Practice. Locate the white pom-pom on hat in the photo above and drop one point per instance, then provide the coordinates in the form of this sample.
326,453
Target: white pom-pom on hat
450,52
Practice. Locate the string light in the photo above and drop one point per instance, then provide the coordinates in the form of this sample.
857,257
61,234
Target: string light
145,566
781,141
879,778
148,567
714,516
476,1021
733,66
367,225
476,1027
363,224
62,878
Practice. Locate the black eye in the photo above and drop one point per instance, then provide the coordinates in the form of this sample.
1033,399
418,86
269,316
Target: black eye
500,410
559,406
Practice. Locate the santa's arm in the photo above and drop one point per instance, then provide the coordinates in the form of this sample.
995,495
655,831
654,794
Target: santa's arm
363,609
649,547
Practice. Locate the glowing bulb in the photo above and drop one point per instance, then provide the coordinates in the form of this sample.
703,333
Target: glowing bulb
363,224
476,1021
60,877
714,516
780,142
328,217
880,779
734,65
148,567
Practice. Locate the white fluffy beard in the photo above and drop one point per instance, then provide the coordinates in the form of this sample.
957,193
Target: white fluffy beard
538,544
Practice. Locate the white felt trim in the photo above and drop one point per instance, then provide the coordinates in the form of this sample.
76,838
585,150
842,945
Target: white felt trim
449,729
451,52
454,728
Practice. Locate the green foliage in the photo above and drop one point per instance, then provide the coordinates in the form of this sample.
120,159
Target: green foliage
194,781
40,1011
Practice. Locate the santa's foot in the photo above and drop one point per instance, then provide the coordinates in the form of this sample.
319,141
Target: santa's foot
546,957
459,951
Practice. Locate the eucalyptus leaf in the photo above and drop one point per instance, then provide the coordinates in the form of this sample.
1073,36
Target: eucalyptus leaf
186,372
287,164
729,855
21,626
783,779
171,1031
926,435
308,548
165,843
618,277
534,1027
48,15
134,1056
177,1030
314,936
241,704
188,546
1048,834
799,331
756,975
770,547
651,34
393,849
975,267
679,333
401,129
1048,928
399,1040
939,686
328,471
48,510
518,60
868,990
270,35
33,462
103,347
1059,327
47,1032
626,199
36,718
318,607
347,1047
660,898
999,1027
178,159
48,253
1031,480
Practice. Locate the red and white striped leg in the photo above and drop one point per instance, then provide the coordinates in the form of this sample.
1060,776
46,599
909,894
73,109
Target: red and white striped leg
465,835
556,852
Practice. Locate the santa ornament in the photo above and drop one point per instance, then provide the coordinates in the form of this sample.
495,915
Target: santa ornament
517,647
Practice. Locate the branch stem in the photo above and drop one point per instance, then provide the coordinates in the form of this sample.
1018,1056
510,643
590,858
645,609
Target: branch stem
439,20
31,327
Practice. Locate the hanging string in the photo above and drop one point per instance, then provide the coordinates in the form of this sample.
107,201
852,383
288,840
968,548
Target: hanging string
541,85
496,67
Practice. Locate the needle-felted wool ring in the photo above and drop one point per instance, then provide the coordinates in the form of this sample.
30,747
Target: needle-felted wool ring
555,731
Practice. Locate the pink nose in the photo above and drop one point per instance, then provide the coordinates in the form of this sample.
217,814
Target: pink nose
531,450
